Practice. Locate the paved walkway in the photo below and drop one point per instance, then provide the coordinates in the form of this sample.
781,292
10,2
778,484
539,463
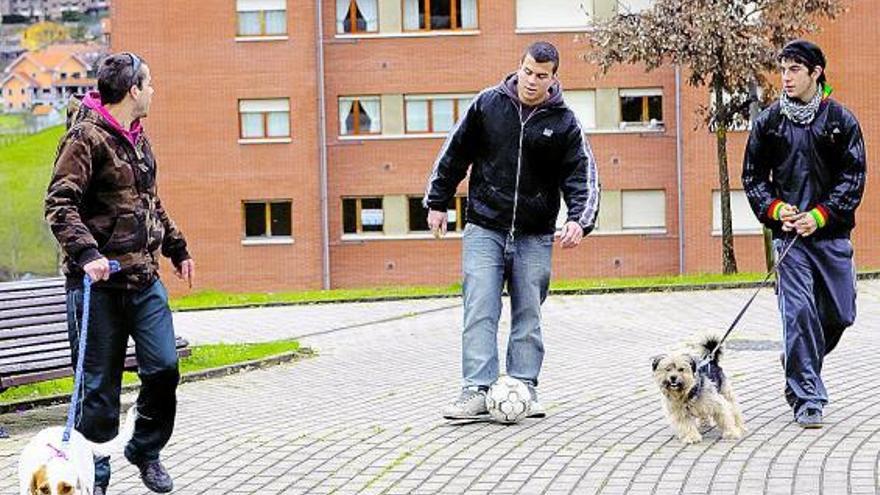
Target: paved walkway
362,417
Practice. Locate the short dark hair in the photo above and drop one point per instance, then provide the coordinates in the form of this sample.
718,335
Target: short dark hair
117,73
543,51
805,53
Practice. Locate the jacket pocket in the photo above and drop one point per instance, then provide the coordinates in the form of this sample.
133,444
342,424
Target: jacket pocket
129,234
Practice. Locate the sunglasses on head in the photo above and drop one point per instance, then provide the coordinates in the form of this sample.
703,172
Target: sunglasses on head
135,67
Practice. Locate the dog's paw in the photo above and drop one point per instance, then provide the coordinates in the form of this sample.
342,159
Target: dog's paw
733,434
691,438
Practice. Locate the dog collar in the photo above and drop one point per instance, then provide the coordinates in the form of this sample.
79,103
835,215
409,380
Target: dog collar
56,452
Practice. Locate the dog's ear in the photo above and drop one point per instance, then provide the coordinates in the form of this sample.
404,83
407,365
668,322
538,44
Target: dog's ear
38,479
655,361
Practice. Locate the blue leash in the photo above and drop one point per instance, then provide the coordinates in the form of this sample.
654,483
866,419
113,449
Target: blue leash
708,358
81,354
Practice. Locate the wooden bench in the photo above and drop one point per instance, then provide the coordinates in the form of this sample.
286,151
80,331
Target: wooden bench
34,346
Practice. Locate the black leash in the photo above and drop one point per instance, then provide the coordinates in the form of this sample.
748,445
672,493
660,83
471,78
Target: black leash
708,358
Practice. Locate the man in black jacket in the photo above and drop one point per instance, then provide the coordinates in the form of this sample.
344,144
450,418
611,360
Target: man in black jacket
804,175
526,151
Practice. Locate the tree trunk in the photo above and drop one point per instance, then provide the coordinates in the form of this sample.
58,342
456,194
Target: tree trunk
727,255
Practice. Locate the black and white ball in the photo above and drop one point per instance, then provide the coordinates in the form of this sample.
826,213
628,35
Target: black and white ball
508,400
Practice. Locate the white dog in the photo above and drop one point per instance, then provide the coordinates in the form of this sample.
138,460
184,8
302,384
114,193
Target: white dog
47,468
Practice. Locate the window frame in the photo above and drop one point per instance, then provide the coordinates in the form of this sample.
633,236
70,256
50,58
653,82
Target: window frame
359,228
430,98
646,95
267,217
460,209
356,120
352,19
453,17
261,14
265,119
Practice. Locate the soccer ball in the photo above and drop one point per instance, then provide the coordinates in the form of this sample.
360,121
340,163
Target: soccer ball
508,400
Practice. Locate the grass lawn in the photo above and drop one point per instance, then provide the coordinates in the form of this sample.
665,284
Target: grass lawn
26,245
214,299
203,357
11,123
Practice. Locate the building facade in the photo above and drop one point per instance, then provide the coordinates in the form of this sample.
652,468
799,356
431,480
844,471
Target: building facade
295,138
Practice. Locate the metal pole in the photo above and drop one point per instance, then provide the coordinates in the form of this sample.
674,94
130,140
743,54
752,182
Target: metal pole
322,151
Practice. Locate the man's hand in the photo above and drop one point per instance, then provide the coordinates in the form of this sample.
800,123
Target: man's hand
186,271
437,223
98,269
570,235
790,223
805,225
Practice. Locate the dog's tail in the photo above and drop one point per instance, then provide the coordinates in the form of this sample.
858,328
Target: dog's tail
711,343
117,444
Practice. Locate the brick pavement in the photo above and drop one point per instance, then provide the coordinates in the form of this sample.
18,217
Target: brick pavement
362,417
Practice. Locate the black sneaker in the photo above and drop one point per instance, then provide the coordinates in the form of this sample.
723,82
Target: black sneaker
154,475
100,490
810,419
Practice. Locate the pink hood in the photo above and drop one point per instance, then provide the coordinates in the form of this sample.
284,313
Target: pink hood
93,100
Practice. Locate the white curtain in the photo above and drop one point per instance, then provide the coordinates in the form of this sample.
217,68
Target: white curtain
468,14
344,110
411,15
276,21
341,14
372,109
248,23
252,125
279,124
369,9
443,115
417,116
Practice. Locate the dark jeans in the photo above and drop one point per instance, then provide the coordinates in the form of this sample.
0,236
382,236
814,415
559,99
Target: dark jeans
115,315
817,299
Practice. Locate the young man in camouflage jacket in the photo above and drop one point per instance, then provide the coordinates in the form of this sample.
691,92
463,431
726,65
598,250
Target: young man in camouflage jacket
102,204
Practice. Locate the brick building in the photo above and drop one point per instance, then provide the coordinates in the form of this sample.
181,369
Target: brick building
291,163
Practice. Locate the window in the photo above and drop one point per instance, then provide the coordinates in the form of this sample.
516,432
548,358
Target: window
63,75
455,214
434,113
267,219
439,14
360,115
583,103
262,17
360,215
264,118
641,107
643,210
550,15
741,215
76,75
357,16
627,7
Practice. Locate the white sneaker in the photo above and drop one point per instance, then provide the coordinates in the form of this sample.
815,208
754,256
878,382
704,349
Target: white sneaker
471,404
537,410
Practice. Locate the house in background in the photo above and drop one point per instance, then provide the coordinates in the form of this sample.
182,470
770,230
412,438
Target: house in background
48,77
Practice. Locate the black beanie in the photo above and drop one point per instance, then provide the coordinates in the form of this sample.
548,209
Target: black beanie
809,54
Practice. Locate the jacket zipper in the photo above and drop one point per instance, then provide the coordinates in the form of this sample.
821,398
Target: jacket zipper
522,127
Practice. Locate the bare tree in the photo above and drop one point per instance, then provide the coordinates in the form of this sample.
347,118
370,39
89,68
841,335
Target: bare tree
728,46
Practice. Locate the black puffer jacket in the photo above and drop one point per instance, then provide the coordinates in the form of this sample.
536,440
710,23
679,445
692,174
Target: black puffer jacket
820,164
522,158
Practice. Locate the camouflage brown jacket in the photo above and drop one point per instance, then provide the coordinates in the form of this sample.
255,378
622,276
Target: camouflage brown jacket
102,201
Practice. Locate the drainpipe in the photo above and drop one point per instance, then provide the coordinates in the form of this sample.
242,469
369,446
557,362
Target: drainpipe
322,149
678,169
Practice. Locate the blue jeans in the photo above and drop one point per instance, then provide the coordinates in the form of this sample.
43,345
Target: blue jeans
116,314
490,259
817,300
